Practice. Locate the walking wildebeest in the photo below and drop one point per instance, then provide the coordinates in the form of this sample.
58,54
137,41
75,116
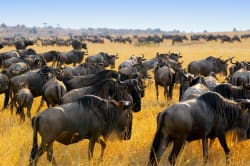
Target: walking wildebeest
208,116
131,90
208,65
90,117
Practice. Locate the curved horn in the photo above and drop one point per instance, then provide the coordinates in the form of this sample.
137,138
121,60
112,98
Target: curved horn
119,79
231,61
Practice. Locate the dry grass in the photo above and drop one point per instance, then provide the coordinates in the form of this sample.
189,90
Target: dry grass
16,137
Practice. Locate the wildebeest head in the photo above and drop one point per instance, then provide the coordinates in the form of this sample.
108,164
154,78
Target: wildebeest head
111,60
222,64
136,91
124,125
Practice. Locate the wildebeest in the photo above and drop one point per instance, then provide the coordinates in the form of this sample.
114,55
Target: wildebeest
102,58
22,44
164,76
211,80
74,56
233,92
208,116
90,79
18,68
33,79
196,87
131,90
240,78
90,118
78,45
24,98
52,92
4,86
208,65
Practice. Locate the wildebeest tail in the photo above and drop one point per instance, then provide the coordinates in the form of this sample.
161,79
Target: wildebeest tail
35,126
20,107
59,90
157,139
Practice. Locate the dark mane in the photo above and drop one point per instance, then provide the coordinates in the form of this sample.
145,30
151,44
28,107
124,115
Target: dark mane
231,92
109,89
224,110
102,75
106,111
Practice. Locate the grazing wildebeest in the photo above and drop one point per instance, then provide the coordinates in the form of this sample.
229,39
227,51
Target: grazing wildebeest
130,90
24,98
208,116
90,117
91,79
208,65
102,58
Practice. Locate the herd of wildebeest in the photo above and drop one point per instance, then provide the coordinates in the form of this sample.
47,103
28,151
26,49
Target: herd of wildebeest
88,101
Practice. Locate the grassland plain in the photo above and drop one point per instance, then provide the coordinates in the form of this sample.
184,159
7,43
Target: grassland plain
16,137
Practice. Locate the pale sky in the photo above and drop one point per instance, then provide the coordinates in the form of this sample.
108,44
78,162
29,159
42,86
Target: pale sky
184,15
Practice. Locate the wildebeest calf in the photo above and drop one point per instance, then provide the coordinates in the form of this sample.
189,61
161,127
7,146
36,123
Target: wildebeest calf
24,98
88,118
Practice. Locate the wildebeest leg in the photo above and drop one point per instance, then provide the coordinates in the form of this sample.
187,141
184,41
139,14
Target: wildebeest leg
160,143
166,95
156,89
171,87
39,153
178,143
6,98
29,109
50,156
103,145
92,141
205,148
41,104
223,143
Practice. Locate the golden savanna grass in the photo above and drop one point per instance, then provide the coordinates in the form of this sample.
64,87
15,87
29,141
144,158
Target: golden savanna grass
16,137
